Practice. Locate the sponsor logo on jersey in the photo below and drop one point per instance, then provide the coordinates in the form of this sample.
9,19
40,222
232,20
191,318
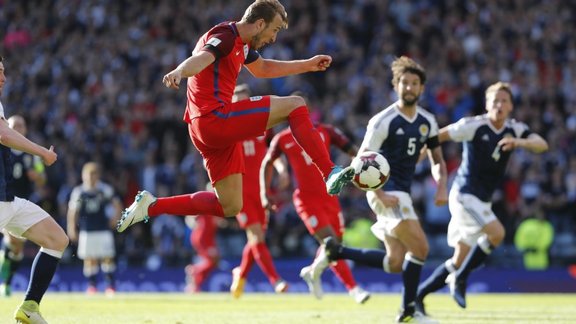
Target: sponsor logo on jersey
214,41
485,138
289,145
255,98
400,131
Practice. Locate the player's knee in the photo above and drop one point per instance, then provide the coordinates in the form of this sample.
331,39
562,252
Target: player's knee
497,236
61,242
232,209
297,101
395,264
420,251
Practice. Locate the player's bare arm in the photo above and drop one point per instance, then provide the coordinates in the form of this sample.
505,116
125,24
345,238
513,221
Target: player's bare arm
190,67
440,175
266,68
72,219
266,170
15,140
444,135
534,143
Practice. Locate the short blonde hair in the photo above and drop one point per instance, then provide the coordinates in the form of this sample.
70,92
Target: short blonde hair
495,87
90,166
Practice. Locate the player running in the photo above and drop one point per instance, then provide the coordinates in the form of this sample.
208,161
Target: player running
28,173
399,132
320,212
474,230
217,126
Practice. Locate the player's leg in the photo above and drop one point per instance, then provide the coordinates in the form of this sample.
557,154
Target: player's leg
90,271
261,253
410,233
479,228
224,163
203,239
11,257
294,110
108,267
493,236
437,280
240,273
52,239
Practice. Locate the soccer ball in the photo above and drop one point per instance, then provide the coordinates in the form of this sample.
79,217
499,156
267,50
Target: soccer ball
371,171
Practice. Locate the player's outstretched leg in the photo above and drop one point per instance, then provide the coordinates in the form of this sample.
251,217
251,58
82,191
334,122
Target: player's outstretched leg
337,178
137,212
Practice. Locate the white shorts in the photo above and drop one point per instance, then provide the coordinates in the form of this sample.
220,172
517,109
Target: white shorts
96,245
19,215
469,216
389,218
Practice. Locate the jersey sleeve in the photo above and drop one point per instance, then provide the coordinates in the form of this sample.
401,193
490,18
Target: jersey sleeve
521,130
338,138
462,130
252,56
74,201
220,42
376,134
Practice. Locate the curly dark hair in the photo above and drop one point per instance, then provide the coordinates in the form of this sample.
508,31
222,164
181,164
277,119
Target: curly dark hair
405,64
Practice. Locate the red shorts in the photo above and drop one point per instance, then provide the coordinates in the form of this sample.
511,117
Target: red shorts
218,135
318,211
252,211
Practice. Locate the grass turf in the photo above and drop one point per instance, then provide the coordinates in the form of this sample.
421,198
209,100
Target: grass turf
62,308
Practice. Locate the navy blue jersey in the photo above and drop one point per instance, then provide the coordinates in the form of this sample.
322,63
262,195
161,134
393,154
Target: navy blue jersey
6,180
91,206
400,140
22,162
483,162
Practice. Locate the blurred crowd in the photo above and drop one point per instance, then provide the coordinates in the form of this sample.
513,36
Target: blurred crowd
86,74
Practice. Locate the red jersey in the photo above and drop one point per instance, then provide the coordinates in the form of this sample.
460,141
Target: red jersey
308,178
213,87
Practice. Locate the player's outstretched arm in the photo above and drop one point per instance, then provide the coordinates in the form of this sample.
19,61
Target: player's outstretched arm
440,175
190,67
15,140
534,143
267,68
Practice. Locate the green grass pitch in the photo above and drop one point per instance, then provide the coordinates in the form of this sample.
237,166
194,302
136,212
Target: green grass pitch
252,308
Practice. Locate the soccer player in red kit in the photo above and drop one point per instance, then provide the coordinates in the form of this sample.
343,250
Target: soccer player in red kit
320,212
253,218
203,240
217,126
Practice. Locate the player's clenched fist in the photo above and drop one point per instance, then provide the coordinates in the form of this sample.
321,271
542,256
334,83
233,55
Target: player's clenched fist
172,79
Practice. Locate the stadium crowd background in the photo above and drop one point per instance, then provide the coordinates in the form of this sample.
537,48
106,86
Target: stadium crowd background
87,77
